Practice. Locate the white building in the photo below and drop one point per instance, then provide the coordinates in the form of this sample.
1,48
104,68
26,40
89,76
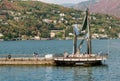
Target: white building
118,35
1,35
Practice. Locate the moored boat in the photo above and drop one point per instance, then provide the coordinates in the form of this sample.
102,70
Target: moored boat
77,58
91,59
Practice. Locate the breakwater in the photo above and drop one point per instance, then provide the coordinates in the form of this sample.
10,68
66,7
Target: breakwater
27,61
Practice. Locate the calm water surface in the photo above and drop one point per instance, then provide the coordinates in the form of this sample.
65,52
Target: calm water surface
108,72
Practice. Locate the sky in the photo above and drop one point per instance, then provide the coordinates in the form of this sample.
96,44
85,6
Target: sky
62,1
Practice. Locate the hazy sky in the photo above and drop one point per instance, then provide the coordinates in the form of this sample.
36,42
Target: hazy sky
62,1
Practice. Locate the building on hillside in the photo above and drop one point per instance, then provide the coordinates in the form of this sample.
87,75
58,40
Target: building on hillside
62,14
118,35
36,38
47,20
57,34
95,35
1,35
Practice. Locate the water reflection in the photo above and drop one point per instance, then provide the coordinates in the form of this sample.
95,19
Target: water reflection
90,73
48,73
52,73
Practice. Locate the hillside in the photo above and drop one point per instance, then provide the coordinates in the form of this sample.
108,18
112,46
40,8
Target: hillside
85,4
30,18
111,7
27,19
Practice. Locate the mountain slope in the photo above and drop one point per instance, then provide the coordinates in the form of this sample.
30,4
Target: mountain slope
111,7
69,5
85,4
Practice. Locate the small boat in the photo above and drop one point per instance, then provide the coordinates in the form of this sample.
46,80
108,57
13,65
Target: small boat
78,58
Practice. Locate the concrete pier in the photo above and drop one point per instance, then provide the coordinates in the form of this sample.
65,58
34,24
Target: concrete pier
50,60
27,61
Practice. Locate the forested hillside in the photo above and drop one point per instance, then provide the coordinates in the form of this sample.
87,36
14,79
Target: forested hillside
26,19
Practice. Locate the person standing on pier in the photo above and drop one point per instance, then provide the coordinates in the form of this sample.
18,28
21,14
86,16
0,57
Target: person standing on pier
35,55
9,56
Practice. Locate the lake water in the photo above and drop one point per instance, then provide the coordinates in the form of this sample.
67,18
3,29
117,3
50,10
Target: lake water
108,72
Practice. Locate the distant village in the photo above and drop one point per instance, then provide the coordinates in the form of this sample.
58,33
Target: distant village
62,18
53,33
